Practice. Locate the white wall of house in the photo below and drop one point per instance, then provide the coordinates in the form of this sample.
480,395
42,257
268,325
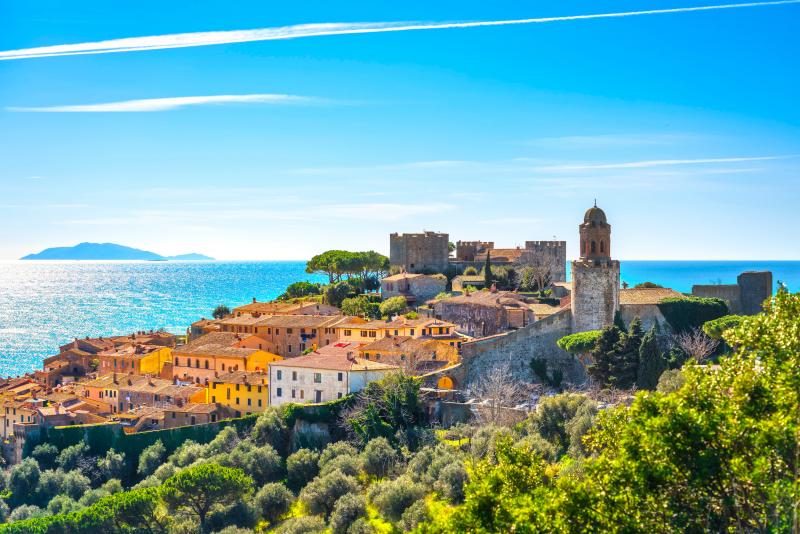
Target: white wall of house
304,385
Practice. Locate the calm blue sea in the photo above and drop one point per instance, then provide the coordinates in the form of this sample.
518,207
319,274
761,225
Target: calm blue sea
46,304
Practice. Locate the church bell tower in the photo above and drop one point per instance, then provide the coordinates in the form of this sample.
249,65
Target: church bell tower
595,276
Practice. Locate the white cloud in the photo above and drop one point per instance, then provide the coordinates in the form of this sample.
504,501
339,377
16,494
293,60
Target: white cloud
165,104
656,163
182,40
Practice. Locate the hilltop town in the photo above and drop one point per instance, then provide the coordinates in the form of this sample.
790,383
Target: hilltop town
431,311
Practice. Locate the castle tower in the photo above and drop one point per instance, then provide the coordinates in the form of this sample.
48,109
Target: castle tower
595,276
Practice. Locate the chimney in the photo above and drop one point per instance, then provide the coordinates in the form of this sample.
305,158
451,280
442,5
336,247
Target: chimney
254,300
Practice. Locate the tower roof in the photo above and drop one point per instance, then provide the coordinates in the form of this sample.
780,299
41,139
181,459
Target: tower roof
595,215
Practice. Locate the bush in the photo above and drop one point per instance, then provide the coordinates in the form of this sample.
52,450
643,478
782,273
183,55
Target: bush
451,482
151,458
393,497
302,525
339,448
272,501
393,306
262,464
349,465
71,457
300,289
50,484
346,511
357,306
23,481
671,380
241,514
687,313
414,516
716,327
378,457
75,484
62,504
112,464
26,511
646,285
336,293
45,454
270,429
321,494
579,343
301,467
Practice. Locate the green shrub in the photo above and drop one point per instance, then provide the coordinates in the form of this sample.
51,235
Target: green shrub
45,454
451,482
301,467
23,481
671,380
272,501
393,497
347,510
321,494
414,516
716,327
378,457
579,343
393,306
334,450
152,457
687,313
302,525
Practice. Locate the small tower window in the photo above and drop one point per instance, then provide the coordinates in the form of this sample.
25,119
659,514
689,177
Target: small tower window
602,246
594,247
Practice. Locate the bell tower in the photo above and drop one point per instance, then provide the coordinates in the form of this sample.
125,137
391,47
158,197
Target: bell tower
595,276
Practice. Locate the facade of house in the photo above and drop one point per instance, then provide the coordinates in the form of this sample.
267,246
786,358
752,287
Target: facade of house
358,330
414,355
291,335
208,356
486,313
156,392
316,378
259,309
242,391
134,358
413,287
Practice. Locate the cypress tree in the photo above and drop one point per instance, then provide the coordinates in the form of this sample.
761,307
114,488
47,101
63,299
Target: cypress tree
603,356
651,361
625,364
487,270
619,323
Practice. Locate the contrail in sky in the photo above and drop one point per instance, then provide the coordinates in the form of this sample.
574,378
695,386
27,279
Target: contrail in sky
182,40
165,104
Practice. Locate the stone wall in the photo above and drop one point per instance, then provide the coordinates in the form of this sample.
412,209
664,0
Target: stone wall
475,320
416,253
730,293
648,313
517,347
755,288
595,294
552,254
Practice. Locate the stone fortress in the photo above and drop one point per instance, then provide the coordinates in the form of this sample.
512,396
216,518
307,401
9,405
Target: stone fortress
428,252
589,302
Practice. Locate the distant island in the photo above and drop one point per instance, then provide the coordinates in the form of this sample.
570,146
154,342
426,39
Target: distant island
108,251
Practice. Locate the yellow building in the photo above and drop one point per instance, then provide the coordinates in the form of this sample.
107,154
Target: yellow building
415,355
211,355
243,391
358,330
135,358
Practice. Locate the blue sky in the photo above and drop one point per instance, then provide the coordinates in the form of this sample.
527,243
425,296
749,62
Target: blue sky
684,126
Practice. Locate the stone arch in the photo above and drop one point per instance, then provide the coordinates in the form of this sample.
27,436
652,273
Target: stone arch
445,382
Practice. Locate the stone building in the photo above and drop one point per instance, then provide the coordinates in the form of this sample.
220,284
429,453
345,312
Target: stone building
415,288
549,255
745,297
595,276
420,253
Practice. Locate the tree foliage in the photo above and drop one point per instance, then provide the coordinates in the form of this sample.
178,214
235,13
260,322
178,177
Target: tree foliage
393,306
579,343
220,312
717,327
688,313
339,265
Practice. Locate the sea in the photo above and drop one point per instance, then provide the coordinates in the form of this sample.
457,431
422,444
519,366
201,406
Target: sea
45,304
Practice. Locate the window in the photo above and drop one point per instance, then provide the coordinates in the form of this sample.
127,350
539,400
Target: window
259,389
339,395
197,363
302,347
302,394
294,393
317,396
302,330
377,356
340,376
228,394
294,375
259,403
193,419
602,246
363,333
396,332
249,402
279,375
277,331
237,400
223,366
593,247
278,392
347,332
412,332
318,378
373,334
237,387
402,357
423,331
206,364
213,399
289,330
290,348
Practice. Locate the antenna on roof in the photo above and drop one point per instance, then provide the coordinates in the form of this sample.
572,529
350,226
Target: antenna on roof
595,203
